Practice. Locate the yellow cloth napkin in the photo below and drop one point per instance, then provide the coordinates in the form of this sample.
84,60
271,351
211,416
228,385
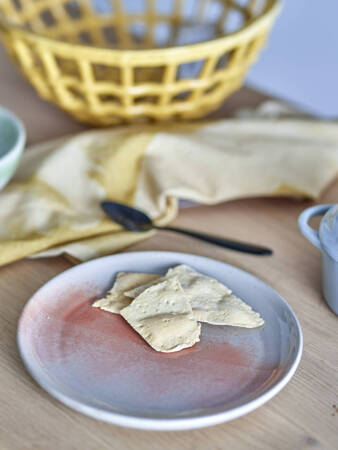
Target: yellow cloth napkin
53,203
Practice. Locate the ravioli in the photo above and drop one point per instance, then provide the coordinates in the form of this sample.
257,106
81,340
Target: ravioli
162,315
115,300
212,302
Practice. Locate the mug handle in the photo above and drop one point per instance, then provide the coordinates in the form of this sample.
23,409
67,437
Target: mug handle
306,230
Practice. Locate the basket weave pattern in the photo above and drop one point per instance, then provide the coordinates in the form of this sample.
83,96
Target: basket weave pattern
103,71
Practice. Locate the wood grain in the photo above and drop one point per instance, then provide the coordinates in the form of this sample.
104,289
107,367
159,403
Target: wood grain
302,416
299,417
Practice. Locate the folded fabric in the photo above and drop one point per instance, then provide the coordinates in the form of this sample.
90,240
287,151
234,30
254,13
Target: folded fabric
53,203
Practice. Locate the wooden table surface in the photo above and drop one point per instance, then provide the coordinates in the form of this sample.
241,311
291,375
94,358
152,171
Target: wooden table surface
303,415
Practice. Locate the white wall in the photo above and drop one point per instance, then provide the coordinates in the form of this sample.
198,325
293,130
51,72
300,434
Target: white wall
300,63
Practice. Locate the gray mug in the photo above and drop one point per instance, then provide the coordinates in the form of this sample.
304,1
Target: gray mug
327,242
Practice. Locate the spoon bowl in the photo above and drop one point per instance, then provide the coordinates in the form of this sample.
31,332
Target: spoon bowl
131,219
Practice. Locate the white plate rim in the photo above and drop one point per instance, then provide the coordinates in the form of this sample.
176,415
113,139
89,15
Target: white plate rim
163,424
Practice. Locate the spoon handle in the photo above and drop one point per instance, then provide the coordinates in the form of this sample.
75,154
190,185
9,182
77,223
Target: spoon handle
222,242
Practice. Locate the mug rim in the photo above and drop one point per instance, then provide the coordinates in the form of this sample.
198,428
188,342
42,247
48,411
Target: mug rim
323,240
18,145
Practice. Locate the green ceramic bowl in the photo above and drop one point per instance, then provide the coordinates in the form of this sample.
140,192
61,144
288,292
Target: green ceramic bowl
12,142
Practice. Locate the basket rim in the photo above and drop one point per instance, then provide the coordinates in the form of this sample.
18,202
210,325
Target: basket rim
263,20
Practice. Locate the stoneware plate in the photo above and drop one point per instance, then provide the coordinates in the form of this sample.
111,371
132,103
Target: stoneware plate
94,362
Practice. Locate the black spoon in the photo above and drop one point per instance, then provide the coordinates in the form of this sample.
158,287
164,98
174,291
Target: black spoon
134,220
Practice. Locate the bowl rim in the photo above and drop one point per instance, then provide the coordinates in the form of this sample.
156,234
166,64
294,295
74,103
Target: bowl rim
20,140
273,8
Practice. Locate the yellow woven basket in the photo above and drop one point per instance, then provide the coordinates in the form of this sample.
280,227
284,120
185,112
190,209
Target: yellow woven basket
113,61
